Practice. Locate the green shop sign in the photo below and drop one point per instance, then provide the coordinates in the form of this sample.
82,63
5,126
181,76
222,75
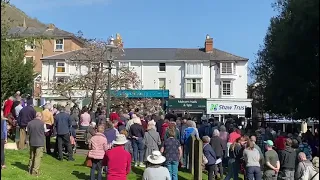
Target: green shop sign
187,103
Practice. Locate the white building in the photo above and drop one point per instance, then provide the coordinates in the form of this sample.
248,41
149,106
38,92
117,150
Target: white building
209,73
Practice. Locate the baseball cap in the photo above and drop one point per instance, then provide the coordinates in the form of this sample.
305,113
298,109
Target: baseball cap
269,142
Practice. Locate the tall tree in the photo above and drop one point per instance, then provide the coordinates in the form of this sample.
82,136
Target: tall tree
16,72
287,66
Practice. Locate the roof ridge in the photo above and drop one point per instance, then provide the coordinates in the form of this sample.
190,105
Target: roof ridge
62,53
231,54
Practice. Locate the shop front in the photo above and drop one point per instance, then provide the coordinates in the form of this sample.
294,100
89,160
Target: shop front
220,108
181,106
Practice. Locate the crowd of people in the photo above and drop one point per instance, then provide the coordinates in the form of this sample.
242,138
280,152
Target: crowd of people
158,143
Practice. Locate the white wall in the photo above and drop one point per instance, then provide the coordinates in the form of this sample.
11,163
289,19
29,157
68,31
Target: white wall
149,75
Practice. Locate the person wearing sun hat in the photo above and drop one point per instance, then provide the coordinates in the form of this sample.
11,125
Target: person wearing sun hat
272,163
155,170
118,160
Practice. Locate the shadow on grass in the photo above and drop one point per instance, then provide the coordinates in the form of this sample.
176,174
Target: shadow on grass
20,166
137,171
80,175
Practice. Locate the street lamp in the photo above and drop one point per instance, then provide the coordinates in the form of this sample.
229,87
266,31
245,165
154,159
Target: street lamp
110,58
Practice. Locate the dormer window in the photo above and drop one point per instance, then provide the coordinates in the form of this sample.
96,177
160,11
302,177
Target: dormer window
59,45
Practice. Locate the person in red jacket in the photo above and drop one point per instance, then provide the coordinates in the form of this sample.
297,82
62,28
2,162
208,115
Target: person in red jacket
164,127
144,123
7,106
280,142
118,160
114,116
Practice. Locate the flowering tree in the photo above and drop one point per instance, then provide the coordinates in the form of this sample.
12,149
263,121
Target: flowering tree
94,61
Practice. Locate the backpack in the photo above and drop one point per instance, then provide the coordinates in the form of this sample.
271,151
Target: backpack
187,135
307,172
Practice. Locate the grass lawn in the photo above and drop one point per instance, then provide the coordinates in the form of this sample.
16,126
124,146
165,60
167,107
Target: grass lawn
17,167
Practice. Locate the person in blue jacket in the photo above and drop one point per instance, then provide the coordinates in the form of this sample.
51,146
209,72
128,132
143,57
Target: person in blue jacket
4,135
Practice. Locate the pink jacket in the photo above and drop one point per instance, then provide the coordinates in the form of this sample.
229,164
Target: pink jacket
99,145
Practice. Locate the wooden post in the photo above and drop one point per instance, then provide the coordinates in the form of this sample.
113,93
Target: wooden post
198,145
191,155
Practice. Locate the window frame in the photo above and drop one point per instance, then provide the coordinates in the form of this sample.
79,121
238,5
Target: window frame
121,64
65,79
187,74
55,45
25,59
64,66
94,67
226,92
159,67
194,83
165,83
32,46
226,67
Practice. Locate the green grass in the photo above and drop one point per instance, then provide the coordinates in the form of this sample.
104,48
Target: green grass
50,168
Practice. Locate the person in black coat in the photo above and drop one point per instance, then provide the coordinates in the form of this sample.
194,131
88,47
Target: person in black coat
217,145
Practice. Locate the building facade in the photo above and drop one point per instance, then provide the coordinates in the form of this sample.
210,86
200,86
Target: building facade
44,42
206,73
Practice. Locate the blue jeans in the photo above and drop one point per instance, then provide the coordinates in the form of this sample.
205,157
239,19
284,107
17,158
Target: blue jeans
138,150
96,165
254,173
173,169
233,169
185,157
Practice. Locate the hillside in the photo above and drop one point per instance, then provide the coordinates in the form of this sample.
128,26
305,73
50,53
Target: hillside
16,17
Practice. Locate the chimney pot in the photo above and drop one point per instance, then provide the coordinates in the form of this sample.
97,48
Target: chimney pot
51,26
208,45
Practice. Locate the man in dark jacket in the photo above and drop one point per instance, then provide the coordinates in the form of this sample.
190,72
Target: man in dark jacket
287,158
36,130
205,129
63,125
26,115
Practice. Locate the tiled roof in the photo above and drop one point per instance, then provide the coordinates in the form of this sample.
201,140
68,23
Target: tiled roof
163,54
33,31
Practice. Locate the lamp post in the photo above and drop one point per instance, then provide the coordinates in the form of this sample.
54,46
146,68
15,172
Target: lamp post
110,58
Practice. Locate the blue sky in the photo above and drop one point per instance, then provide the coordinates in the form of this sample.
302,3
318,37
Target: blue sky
236,26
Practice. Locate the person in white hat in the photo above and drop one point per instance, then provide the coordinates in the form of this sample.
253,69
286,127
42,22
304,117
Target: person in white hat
154,170
117,159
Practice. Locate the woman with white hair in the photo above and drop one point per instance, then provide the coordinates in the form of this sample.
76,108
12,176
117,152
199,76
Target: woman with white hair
217,146
136,133
91,131
305,169
191,130
151,139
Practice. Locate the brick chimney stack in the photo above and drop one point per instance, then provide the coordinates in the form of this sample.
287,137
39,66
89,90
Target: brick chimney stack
51,27
208,45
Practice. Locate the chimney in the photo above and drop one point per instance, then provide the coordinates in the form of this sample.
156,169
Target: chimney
51,27
208,45
24,22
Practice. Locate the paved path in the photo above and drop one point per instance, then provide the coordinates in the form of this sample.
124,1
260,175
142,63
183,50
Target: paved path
82,152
